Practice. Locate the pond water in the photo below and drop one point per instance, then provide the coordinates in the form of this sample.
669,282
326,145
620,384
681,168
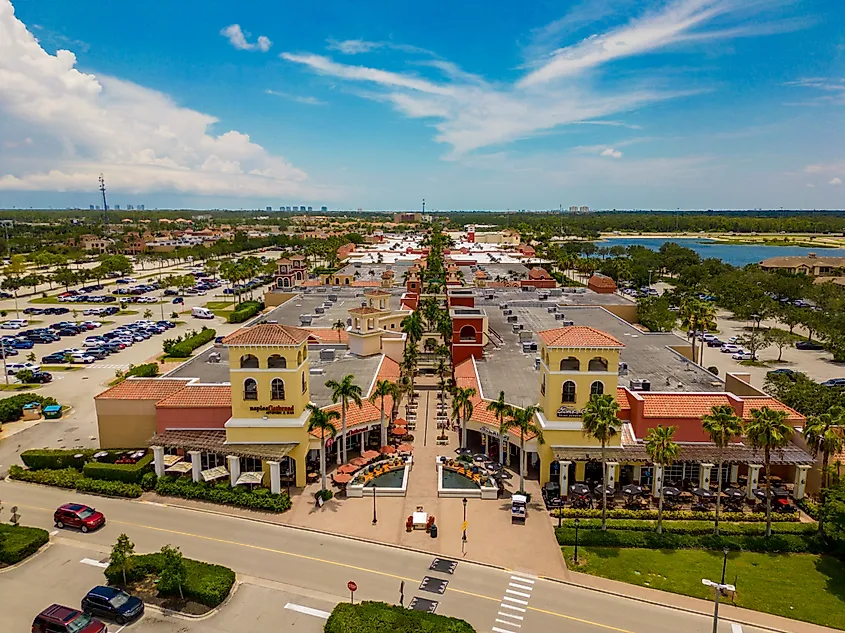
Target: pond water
734,254
451,479
393,479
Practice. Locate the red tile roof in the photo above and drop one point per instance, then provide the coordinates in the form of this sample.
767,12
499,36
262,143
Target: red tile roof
364,310
199,396
578,336
622,399
681,405
365,284
751,403
601,281
143,389
376,293
539,273
328,335
267,334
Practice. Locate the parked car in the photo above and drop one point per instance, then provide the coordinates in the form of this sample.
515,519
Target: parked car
112,603
729,348
59,619
834,382
809,345
53,358
83,359
783,371
714,342
14,368
10,325
178,300
79,516
743,355
41,377
22,343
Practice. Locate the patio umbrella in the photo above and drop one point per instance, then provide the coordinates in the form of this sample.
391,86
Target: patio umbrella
504,474
386,450
670,491
480,457
399,431
760,493
780,492
493,466
400,422
463,451
579,489
342,478
346,469
358,461
369,454
632,489
703,493
735,493
405,448
608,489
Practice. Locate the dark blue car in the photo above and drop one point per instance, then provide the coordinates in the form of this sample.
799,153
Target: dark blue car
53,358
113,604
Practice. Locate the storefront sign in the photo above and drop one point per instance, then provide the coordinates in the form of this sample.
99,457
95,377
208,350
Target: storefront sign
569,412
274,409
492,434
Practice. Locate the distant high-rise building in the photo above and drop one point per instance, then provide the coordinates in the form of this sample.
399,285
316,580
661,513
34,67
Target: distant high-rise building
269,209
301,208
573,209
117,207
324,208
140,207
310,209
584,210
98,207
90,207
281,208
130,207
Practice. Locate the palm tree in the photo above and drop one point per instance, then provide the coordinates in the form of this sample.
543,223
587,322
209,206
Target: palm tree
340,326
462,408
723,425
382,390
412,325
662,450
824,436
697,315
344,392
522,420
600,422
322,421
501,410
768,430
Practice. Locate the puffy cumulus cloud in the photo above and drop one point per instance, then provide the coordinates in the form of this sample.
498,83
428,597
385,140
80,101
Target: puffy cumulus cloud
834,181
612,153
238,39
75,125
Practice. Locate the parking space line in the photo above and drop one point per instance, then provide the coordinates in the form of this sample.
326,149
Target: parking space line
93,563
317,613
736,628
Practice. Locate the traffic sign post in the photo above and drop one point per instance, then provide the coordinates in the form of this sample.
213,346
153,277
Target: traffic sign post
402,594
352,589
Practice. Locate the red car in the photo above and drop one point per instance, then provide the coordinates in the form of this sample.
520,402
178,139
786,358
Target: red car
59,619
78,516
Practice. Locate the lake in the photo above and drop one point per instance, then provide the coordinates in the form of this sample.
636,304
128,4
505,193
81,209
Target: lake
735,254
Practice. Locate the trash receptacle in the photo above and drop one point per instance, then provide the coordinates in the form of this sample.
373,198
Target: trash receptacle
433,531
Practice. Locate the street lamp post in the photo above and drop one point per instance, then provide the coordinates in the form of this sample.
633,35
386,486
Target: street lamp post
375,518
577,522
724,564
717,590
464,537
559,512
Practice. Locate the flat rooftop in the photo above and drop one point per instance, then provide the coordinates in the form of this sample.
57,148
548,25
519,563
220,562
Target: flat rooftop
557,296
648,355
307,303
364,267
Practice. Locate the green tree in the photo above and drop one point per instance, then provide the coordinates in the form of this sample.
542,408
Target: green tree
600,422
663,450
412,325
754,341
768,431
697,316
780,339
656,314
64,276
722,425
121,555
522,421
172,575
13,274
383,389
345,391
462,407
24,376
148,313
502,410
824,435
322,421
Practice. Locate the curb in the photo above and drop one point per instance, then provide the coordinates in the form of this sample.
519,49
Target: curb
37,552
195,618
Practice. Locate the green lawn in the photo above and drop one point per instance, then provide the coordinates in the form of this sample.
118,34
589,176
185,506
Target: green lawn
800,586
16,386
61,368
220,308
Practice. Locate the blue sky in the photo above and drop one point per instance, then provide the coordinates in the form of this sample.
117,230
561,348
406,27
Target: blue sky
473,105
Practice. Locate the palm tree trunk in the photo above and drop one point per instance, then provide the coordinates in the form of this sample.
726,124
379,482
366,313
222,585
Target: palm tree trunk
603,489
660,512
822,491
323,458
768,497
521,462
718,495
341,454
382,427
463,433
501,444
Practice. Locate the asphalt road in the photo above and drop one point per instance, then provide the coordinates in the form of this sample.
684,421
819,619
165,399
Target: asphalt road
280,566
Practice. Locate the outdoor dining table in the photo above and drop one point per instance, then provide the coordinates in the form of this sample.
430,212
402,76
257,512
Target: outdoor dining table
358,461
347,469
342,479
734,493
579,489
480,457
463,451
632,490
493,466
702,493
386,450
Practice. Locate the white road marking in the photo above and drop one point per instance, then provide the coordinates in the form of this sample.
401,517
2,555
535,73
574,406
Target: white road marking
522,577
93,563
736,628
510,606
523,587
498,630
155,503
317,613
511,615
54,532
518,593
120,629
519,626
516,600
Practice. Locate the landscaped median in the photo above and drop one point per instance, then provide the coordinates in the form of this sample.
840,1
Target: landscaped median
19,542
378,617
671,515
75,480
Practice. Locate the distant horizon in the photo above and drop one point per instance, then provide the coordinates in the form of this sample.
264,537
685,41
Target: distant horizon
433,211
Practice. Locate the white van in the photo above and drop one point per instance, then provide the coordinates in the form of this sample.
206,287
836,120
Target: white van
202,313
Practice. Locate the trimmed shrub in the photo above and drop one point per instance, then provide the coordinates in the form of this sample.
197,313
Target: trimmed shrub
73,479
672,515
245,310
697,527
184,348
205,583
148,481
127,473
109,488
378,617
11,409
810,507
147,370
19,542
777,543
259,499
58,459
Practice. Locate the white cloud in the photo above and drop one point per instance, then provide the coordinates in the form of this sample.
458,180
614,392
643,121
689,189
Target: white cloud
83,124
828,91
307,100
558,89
13,144
238,39
612,153
834,181
810,185
358,47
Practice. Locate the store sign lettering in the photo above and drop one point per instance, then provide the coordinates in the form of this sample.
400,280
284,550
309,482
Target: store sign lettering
274,409
569,412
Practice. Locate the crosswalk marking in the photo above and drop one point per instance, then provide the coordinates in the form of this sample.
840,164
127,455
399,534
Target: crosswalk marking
317,613
93,563
516,600
518,586
518,593
511,615
519,626
510,606
525,584
108,366
522,579
736,628
498,630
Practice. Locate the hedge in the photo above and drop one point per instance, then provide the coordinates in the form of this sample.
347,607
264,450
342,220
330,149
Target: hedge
697,527
245,310
147,370
810,507
258,499
73,479
58,459
11,409
777,543
184,348
205,583
19,542
378,617
669,515
127,473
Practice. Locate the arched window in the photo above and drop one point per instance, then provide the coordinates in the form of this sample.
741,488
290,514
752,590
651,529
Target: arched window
285,282
597,388
304,383
570,364
277,389
277,362
467,334
250,389
598,364
543,386
298,357
248,361
569,391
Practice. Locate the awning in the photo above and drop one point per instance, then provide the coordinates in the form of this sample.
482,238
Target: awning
218,472
250,478
179,468
700,453
169,460
215,442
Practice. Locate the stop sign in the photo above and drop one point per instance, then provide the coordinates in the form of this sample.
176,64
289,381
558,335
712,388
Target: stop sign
352,586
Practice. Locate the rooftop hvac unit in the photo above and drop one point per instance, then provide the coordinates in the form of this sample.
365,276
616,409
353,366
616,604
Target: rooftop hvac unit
526,348
321,288
317,371
555,292
503,306
305,319
565,323
332,297
543,296
551,309
581,291
327,304
525,335
640,384
623,369
327,354
507,312
517,327
559,316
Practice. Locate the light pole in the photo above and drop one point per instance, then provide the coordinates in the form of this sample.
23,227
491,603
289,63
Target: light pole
375,518
724,564
464,537
717,590
577,522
